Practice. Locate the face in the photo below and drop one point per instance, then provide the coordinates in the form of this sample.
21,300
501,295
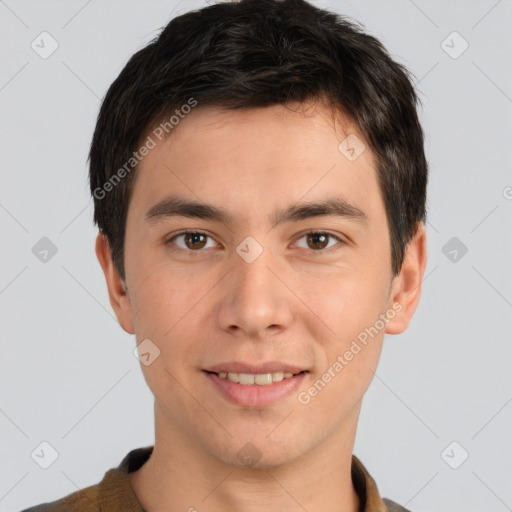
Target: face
261,282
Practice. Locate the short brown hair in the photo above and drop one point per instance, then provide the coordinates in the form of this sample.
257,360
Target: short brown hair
257,53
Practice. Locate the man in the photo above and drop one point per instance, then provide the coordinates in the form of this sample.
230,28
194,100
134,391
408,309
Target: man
259,182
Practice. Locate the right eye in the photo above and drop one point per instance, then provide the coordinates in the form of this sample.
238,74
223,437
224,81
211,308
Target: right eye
194,241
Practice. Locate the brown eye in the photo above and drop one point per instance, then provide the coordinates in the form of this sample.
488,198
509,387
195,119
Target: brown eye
317,240
191,241
195,240
321,242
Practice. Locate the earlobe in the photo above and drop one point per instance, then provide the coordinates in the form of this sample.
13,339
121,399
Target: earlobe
117,291
406,287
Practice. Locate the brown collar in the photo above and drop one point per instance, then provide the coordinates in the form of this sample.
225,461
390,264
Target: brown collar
116,494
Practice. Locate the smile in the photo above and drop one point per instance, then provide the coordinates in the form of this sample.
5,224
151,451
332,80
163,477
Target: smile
260,379
256,389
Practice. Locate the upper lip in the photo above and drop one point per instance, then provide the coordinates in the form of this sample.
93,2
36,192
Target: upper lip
256,369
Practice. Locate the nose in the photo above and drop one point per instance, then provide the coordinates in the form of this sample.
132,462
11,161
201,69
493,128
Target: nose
257,300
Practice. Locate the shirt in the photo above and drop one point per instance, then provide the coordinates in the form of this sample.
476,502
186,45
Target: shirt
115,494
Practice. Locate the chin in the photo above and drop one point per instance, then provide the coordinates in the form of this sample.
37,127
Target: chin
256,452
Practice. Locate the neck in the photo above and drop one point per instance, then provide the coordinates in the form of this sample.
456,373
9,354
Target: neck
319,480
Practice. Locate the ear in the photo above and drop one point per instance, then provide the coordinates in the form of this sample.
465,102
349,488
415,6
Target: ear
406,287
117,291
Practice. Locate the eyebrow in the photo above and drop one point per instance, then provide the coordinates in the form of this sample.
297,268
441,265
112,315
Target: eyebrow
174,206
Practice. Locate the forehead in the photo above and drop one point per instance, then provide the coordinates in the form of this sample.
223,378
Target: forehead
254,157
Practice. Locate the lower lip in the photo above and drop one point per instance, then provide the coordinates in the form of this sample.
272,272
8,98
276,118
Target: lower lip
254,395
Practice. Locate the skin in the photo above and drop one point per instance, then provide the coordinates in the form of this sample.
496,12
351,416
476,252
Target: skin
295,303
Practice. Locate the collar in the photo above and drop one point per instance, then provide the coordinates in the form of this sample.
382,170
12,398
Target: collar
116,493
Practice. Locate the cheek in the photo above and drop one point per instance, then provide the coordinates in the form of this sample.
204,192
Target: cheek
350,304
157,309
345,303
347,358
164,316
170,310
340,387
160,298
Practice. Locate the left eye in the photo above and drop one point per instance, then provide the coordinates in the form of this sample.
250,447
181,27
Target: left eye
318,240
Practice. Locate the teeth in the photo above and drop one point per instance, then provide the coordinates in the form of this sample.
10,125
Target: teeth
277,376
262,379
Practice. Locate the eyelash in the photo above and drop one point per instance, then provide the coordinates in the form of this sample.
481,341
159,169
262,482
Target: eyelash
195,231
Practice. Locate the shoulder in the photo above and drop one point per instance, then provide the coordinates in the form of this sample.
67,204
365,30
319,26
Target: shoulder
113,492
394,507
84,500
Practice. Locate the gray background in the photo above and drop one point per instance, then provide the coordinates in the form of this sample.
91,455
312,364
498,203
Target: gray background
68,375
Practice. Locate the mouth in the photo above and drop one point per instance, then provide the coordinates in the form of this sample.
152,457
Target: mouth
256,390
259,379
